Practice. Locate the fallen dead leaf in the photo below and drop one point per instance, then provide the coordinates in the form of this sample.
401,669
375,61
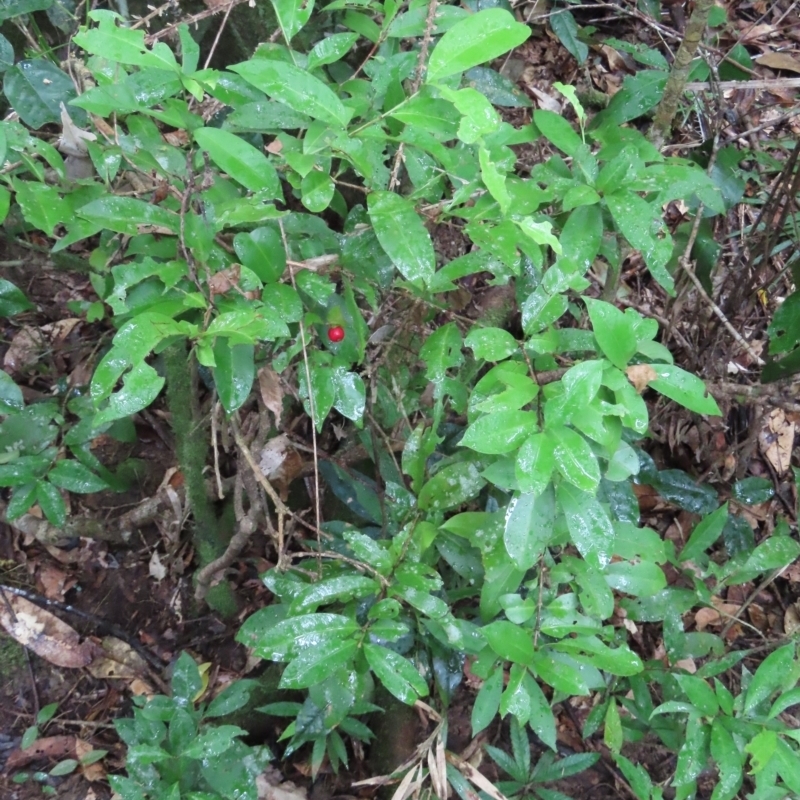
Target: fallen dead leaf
780,61
640,375
280,463
92,772
223,281
45,633
24,349
269,385
50,747
270,787
776,440
117,660
53,581
791,620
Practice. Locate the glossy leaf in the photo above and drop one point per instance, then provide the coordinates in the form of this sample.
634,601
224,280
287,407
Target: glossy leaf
140,387
705,534
684,388
535,463
234,372
566,29
451,486
574,458
402,235
500,432
511,642
614,330
12,300
75,477
396,673
283,640
770,674
491,344
315,664
262,251
35,89
487,701
589,527
474,40
529,527
292,16
240,160
295,87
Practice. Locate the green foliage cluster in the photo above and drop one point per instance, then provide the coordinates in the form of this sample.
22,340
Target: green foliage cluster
502,540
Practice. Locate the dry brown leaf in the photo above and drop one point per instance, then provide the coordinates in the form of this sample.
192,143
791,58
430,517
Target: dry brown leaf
791,620
92,772
270,787
24,349
44,633
269,385
776,440
780,61
274,147
640,375
223,281
50,747
53,581
117,660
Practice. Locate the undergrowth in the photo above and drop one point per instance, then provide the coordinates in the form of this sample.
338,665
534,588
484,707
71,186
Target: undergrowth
257,220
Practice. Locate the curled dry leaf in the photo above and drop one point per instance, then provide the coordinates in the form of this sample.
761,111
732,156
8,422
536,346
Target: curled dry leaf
117,660
24,349
51,748
269,385
44,633
776,440
270,787
640,375
280,463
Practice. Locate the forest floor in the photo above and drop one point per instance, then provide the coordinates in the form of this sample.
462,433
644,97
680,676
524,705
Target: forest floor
140,594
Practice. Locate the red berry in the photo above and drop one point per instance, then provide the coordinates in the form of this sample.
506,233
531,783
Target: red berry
336,333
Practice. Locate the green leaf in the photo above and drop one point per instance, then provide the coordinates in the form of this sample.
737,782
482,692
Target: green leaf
316,191
494,179
140,388
639,93
350,394
487,701
396,673
497,89
565,28
541,716
769,676
500,432
315,664
684,388
614,330
581,236
705,533
442,351
535,463
511,642
451,487
641,579
560,671
529,527
612,733
284,640
331,49
729,762
240,160
124,45
677,487
752,491
402,235
589,527
295,87
700,694
234,372
12,301
574,458
75,477
213,742
42,205
36,89
341,587
16,8
126,214
555,128
641,224
491,344
474,40
262,251
233,697
292,16
438,117
52,503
